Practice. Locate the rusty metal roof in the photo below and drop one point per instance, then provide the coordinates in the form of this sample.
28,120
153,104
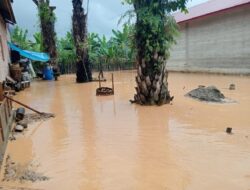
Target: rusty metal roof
209,8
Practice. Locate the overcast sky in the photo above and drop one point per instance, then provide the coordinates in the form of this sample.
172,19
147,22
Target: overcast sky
103,15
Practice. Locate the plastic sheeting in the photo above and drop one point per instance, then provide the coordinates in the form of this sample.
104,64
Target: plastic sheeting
34,56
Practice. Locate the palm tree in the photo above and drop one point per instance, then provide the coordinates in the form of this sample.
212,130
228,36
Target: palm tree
47,24
154,33
79,22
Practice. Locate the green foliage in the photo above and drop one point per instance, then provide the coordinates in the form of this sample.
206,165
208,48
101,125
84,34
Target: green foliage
45,13
66,51
37,44
19,37
155,30
115,52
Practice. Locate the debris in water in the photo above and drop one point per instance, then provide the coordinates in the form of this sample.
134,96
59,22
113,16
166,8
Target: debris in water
19,128
201,86
17,172
35,117
20,114
232,87
229,130
23,123
209,94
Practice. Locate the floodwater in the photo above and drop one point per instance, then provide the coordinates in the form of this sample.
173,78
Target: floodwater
105,143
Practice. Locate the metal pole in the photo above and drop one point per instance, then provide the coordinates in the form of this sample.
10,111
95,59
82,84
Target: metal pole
23,105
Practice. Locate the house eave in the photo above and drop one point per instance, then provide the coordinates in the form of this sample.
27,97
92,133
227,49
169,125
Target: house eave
7,11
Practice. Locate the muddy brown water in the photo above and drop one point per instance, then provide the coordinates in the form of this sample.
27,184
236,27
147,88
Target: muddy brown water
106,143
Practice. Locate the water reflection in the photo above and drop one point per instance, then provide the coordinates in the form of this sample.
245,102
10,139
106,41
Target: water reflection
106,143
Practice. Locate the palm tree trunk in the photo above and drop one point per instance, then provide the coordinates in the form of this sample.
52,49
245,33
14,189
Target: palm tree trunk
47,23
79,22
151,79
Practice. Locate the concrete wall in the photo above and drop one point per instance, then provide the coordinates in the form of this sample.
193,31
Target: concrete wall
218,43
4,50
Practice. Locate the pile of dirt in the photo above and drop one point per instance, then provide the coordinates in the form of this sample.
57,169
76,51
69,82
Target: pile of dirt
17,172
208,94
34,117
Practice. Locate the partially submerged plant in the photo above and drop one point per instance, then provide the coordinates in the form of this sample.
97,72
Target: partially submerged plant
155,30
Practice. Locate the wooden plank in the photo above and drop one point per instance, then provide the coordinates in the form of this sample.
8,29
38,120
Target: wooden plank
1,92
9,107
1,131
3,115
3,123
3,119
5,108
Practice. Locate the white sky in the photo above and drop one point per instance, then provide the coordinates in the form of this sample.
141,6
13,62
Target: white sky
103,15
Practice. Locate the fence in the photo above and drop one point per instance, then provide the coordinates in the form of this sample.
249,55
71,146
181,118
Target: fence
6,118
71,68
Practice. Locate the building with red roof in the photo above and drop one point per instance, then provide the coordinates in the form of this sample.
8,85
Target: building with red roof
215,37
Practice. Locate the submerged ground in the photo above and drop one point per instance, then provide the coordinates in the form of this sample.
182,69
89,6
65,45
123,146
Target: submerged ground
106,143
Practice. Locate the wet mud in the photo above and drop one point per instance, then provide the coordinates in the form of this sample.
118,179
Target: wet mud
21,173
107,143
30,118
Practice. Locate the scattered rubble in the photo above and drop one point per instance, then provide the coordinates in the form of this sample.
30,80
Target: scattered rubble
23,123
34,117
19,128
16,172
232,87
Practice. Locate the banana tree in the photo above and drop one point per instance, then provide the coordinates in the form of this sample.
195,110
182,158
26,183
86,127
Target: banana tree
37,44
19,37
67,53
123,41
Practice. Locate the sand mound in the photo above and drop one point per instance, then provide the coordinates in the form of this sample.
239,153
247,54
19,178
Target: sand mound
208,94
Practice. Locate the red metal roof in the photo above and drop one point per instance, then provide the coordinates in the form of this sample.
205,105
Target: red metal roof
208,8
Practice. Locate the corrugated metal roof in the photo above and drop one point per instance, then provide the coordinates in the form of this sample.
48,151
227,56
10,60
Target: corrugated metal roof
208,8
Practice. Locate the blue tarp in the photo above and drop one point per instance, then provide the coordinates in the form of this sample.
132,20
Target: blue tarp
35,56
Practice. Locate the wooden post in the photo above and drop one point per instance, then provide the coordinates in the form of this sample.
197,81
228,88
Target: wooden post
1,92
99,81
1,130
113,87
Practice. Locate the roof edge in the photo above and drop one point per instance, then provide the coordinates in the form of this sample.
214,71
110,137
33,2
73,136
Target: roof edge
9,17
212,13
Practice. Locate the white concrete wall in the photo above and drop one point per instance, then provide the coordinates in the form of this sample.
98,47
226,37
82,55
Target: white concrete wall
4,59
219,43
